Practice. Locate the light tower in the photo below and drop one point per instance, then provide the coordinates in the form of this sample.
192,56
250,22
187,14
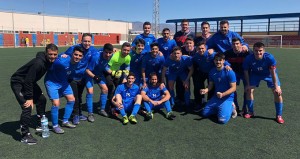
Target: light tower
155,17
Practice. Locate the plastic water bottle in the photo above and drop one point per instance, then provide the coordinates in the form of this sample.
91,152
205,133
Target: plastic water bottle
45,128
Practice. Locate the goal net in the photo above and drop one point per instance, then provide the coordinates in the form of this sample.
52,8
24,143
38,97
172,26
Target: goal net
268,40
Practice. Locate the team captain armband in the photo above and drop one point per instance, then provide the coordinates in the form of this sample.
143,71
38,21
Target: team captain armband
272,67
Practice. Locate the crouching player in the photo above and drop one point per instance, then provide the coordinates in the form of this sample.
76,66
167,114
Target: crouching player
127,98
56,82
224,82
156,98
262,66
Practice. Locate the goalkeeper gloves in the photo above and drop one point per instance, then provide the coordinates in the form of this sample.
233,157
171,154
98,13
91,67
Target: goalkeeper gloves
97,79
126,72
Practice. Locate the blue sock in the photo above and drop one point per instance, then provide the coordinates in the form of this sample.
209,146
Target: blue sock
136,109
250,105
122,112
168,106
89,102
187,95
54,115
103,98
278,107
172,92
68,111
147,106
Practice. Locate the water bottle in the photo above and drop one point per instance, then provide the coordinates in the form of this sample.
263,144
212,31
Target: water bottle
45,128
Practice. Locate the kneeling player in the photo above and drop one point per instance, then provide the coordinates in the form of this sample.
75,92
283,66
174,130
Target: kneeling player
56,82
155,98
127,98
262,66
224,82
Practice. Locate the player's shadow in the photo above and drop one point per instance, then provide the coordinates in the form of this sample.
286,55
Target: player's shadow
212,118
262,117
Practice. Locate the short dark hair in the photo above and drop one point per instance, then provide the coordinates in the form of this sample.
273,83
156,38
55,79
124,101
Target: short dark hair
205,22
131,74
224,22
203,42
152,74
108,47
235,39
154,44
126,44
184,20
176,48
78,48
146,23
258,44
219,56
188,39
86,34
51,47
140,41
165,29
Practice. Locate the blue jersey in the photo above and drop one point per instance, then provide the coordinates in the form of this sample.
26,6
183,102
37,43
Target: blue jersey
178,67
60,71
260,67
153,64
154,93
222,79
80,70
127,94
149,39
136,63
204,62
166,47
98,64
221,43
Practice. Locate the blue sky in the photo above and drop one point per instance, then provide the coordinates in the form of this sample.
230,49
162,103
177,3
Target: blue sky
141,10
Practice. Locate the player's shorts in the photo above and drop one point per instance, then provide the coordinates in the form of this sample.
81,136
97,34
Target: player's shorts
173,76
90,82
255,80
55,91
152,107
128,105
220,107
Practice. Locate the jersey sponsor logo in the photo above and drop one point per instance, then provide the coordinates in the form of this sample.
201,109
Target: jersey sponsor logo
127,94
259,69
166,48
153,95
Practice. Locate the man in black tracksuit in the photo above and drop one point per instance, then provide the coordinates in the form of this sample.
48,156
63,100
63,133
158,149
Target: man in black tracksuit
24,85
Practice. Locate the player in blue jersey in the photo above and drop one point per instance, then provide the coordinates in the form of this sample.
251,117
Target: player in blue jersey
203,62
185,32
95,69
155,97
149,38
136,60
222,40
236,57
27,92
152,62
79,80
179,67
56,82
224,82
127,99
262,66
205,34
166,44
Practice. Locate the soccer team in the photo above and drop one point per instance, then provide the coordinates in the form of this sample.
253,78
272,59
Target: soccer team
141,77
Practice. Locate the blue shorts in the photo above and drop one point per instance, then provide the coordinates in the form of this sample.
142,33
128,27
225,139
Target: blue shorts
221,107
128,105
90,82
255,80
152,107
173,76
55,91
